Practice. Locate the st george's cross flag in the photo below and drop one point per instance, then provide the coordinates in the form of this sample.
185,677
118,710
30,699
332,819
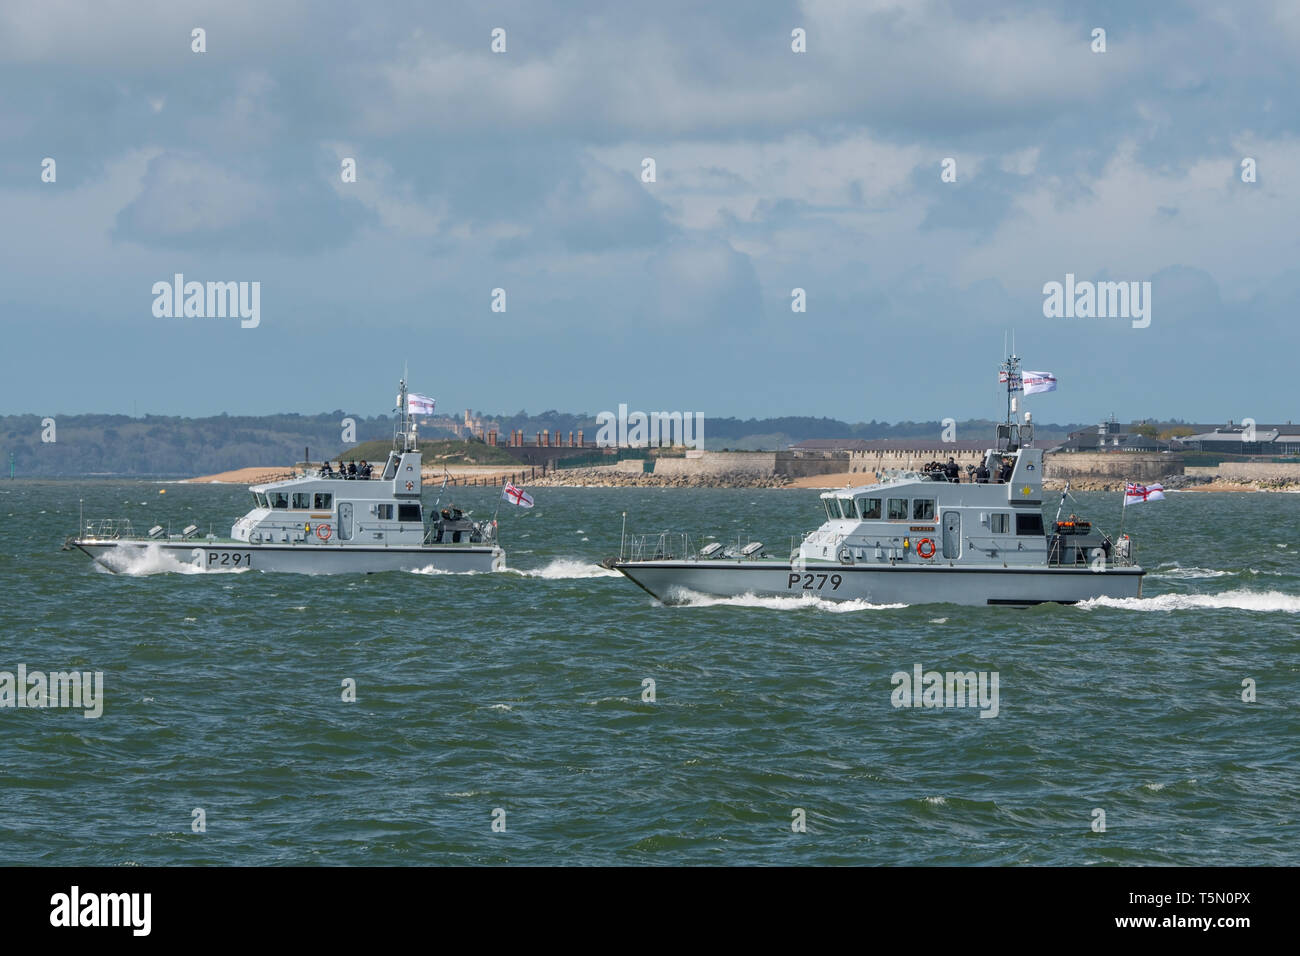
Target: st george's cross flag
516,497
1134,493
1035,382
418,404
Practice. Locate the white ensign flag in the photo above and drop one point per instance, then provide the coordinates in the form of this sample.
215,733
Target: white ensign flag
418,404
516,496
1035,382
1134,493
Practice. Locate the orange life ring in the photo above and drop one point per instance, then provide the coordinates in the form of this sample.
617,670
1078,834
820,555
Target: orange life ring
921,546
323,532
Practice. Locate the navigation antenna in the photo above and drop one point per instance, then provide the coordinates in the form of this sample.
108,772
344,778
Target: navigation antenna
1010,372
406,429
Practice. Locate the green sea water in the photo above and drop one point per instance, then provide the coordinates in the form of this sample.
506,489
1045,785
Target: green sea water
516,698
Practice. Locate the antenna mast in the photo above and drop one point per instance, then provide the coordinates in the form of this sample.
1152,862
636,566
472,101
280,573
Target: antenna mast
405,426
1008,430
1011,368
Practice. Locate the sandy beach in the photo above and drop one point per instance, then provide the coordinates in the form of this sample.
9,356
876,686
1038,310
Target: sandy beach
252,476
245,476
592,478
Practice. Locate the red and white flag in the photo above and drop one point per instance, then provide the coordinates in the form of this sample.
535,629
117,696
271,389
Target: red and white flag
419,404
1134,493
1035,382
516,496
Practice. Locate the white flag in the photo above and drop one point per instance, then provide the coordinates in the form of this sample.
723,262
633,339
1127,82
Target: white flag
1039,382
1135,493
418,404
516,497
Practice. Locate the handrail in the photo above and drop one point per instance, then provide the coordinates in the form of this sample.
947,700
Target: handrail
108,528
677,546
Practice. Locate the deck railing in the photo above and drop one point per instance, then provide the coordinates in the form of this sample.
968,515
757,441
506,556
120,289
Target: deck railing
108,528
1114,556
683,546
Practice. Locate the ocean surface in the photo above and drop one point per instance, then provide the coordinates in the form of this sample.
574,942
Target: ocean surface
516,698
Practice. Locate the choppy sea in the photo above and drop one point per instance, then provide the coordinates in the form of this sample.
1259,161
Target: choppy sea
504,718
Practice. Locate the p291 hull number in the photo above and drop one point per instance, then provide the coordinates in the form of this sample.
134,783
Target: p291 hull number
223,559
813,582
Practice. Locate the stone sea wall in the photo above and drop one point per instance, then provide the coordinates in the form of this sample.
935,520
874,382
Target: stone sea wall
1258,471
870,462
1112,466
607,476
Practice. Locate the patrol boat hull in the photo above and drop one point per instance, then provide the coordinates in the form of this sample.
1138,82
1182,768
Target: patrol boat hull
221,556
921,536
676,582
329,523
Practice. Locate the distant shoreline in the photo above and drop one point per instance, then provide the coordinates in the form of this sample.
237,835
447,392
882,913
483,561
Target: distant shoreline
591,478
253,476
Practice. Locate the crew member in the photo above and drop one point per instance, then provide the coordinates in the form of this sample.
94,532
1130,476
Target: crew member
982,474
951,471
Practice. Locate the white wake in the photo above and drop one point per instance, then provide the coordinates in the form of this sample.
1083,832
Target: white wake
562,569
1239,600
1177,573
151,559
682,596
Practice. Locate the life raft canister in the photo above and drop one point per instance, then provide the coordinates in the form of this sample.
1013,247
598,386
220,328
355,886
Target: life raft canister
323,532
925,548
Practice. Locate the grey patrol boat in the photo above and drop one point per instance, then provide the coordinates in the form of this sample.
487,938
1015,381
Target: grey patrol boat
913,538
320,524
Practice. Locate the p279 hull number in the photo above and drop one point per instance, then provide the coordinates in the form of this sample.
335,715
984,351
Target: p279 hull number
813,582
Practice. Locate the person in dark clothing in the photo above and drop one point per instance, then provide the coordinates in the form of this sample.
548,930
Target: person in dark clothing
1007,467
364,470
951,471
352,469
982,474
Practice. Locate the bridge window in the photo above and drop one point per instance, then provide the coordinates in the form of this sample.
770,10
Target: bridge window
412,513
832,510
384,512
849,508
897,509
999,523
869,508
1029,524
259,499
301,499
923,509
279,499
323,501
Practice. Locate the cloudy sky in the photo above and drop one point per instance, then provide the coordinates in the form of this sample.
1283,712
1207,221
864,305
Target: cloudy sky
775,170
